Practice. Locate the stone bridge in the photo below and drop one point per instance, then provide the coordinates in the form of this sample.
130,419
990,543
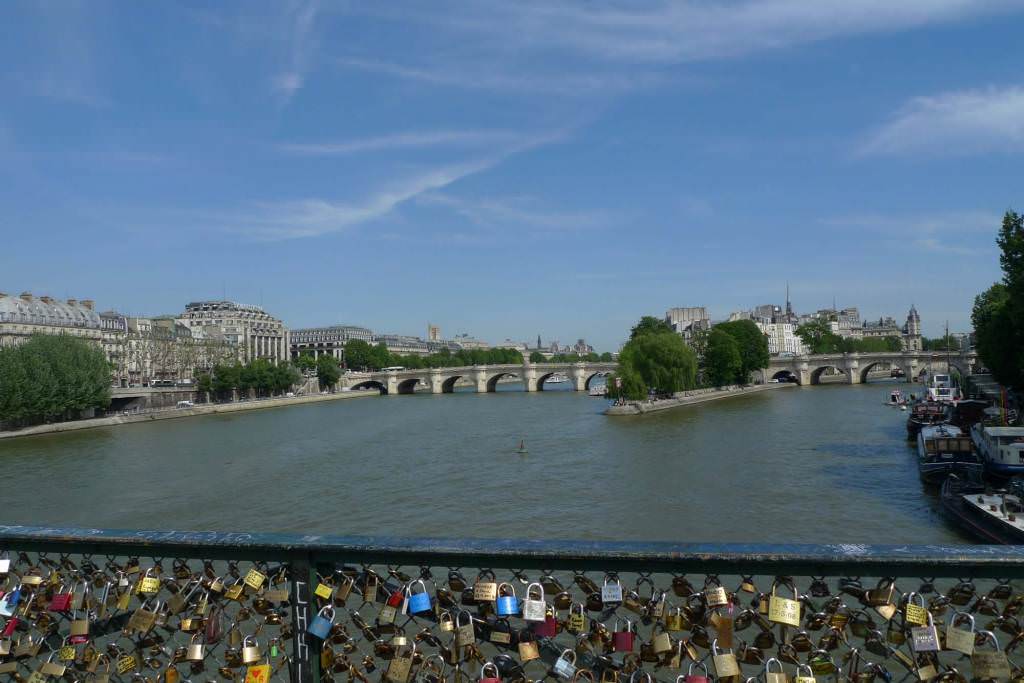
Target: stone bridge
856,366
484,377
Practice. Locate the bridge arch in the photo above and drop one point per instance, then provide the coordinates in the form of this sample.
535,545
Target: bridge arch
448,385
541,379
819,371
591,376
408,386
492,381
372,384
787,376
872,365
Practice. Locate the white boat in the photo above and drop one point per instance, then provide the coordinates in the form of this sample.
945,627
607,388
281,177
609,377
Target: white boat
991,516
556,379
1001,448
941,389
598,390
896,398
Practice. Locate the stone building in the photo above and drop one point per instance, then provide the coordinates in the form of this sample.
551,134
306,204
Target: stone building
24,315
326,341
254,332
912,331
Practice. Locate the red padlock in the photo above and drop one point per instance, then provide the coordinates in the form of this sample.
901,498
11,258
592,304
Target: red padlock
489,673
622,641
60,602
547,628
693,678
396,598
12,623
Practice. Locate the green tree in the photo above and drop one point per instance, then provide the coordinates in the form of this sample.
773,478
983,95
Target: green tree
650,325
661,359
752,345
818,336
357,354
633,387
537,357
722,361
306,362
204,384
327,372
996,338
606,357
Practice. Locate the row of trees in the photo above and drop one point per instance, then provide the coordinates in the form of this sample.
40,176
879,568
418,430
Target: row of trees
657,360
259,376
538,357
360,355
998,313
51,377
818,337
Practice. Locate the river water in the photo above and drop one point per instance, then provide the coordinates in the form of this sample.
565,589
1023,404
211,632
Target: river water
819,464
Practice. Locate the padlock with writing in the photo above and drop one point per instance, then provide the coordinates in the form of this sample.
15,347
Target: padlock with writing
611,591
804,674
485,589
489,673
528,650
925,638
989,664
715,594
400,665
417,602
914,610
577,622
784,610
774,676
725,662
958,638
507,603
322,623
565,665
255,579
623,636
149,584
464,633
534,605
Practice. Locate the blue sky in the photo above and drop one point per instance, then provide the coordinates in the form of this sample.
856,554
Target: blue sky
509,169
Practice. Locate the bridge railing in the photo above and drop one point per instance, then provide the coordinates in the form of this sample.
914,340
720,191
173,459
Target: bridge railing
163,606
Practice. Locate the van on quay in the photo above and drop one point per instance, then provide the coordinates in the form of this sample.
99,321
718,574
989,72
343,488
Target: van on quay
185,404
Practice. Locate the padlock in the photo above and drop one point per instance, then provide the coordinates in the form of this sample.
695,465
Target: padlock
656,606
534,606
611,591
661,643
10,602
67,651
882,593
695,678
149,585
10,626
804,674
565,665
485,589
489,673
547,628
622,639
464,633
255,579
501,631
417,603
674,620
528,650
196,649
396,598
445,621
957,638
640,676
507,604
344,589
915,612
784,610
725,662
774,676
251,650
79,595
989,664
52,668
577,622
400,665
61,600
322,623
925,638
79,628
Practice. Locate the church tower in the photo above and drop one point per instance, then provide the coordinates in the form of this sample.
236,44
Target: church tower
912,331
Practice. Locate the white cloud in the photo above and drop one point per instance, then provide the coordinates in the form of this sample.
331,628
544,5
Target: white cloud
961,122
300,44
404,141
965,233
522,213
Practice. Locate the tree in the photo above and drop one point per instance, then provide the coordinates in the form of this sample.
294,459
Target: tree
327,371
537,357
633,386
204,384
306,363
661,360
650,325
357,354
818,336
998,313
722,361
751,343
606,357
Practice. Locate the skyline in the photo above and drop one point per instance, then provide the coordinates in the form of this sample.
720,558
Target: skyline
497,169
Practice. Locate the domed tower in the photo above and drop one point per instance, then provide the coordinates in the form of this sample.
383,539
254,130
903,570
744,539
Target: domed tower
912,331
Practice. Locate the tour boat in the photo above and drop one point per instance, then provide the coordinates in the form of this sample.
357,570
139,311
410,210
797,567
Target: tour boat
943,450
994,517
941,389
556,379
923,414
598,390
1001,449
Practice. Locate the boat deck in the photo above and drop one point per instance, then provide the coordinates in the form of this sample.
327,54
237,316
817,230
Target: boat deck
1004,508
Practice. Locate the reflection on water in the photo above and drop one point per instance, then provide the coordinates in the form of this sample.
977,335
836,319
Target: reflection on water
811,464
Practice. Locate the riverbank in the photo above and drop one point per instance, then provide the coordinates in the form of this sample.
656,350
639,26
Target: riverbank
689,398
174,414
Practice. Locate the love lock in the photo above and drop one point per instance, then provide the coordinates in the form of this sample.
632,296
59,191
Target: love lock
417,603
507,603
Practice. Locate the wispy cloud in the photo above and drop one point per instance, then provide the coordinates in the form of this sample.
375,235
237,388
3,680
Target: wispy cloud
401,141
524,213
966,233
961,122
300,21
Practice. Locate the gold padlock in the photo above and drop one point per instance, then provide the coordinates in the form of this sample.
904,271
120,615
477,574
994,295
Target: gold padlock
250,650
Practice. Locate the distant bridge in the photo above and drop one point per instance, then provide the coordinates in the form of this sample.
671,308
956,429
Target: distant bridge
484,378
808,369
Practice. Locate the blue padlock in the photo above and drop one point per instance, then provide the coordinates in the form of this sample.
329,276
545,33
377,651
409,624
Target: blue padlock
507,603
417,602
321,625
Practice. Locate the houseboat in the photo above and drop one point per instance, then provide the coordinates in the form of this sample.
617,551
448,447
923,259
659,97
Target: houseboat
924,414
943,450
1001,449
993,517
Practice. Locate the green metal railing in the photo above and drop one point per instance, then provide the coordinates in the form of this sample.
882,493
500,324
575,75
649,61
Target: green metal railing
162,606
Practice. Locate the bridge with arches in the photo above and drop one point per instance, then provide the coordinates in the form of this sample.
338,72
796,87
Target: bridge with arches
855,367
484,378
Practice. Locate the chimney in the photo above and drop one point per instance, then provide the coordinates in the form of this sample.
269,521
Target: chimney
46,299
72,302
27,296
88,303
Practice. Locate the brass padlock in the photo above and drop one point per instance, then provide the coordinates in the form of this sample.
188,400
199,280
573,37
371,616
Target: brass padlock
196,649
250,650
774,676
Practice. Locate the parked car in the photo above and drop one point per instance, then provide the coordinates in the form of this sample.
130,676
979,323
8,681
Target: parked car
185,404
